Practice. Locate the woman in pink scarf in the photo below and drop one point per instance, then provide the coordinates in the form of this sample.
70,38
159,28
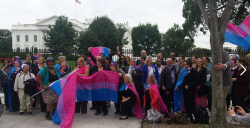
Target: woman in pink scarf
83,70
130,99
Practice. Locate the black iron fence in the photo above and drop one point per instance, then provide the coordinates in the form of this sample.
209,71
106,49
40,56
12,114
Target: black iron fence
71,57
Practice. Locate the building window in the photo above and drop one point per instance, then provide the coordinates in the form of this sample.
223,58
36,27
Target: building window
18,49
26,38
18,38
26,49
35,38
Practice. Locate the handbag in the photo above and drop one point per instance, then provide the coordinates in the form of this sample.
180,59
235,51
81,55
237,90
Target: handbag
202,101
153,116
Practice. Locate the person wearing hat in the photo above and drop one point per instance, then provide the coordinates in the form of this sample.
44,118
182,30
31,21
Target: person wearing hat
20,81
46,76
12,95
113,68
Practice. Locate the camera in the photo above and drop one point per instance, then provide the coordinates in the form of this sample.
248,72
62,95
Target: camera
236,108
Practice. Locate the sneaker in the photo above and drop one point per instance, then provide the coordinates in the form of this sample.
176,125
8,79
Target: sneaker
21,113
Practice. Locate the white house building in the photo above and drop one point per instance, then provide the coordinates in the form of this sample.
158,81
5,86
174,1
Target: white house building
31,35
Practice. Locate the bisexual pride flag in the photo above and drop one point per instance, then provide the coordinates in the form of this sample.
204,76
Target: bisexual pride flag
101,86
95,51
236,36
245,25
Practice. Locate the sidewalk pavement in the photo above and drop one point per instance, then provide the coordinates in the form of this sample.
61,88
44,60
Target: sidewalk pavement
89,120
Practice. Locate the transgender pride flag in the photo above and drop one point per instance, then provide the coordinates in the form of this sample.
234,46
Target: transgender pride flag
101,86
236,36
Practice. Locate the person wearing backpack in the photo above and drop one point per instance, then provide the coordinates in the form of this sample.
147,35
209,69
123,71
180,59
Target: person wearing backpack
20,81
46,76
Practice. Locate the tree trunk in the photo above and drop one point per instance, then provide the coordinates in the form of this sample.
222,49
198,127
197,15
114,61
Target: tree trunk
217,41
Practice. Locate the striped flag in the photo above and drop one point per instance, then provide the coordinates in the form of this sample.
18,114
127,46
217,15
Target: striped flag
77,1
236,36
245,25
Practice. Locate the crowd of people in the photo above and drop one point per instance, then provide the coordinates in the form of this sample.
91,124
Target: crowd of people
151,85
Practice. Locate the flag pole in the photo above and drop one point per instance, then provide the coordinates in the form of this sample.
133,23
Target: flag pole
75,9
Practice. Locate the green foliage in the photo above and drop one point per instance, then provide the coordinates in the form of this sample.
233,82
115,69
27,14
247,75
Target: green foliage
102,32
61,36
200,52
195,22
5,40
146,37
174,39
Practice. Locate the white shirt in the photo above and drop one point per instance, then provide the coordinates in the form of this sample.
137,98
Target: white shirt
20,78
150,70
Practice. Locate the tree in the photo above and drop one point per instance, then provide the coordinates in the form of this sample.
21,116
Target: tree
61,36
146,37
175,39
195,22
5,40
216,21
200,52
121,32
87,39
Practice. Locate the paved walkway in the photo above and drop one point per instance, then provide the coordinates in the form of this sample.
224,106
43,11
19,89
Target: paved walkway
89,120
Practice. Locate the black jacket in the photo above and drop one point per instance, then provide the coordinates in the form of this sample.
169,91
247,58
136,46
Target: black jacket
94,69
201,81
166,78
190,79
136,78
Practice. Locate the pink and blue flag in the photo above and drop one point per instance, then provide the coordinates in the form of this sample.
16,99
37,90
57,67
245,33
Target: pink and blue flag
236,36
95,51
245,25
101,86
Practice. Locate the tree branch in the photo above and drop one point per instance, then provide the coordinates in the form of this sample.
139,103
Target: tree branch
225,16
217,8
204,13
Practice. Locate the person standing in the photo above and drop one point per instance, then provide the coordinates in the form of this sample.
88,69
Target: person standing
160,56
28,62
83,70
225,67
172,56
149,69
142,60
241,82
179,66
36,68
46,76
206,61
201,79
167,84
194,58
137,78
12,95
61,59
159,66
100,106
189,90
121,73
4,73
143,54
20,81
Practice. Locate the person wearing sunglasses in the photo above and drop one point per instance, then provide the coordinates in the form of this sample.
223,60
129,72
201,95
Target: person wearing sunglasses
11,64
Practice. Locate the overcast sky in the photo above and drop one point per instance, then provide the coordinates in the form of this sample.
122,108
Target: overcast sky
162,12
